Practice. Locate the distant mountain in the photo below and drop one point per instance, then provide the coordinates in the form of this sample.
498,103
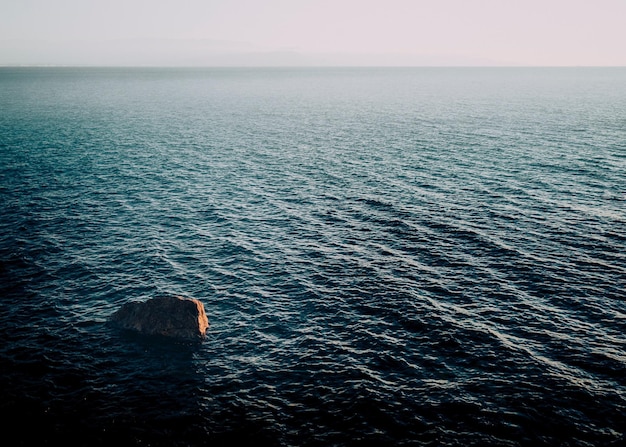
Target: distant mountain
202,52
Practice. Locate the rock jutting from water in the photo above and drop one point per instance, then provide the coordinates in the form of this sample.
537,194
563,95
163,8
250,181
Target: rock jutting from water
169,316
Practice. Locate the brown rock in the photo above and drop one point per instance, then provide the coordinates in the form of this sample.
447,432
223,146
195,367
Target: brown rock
169,316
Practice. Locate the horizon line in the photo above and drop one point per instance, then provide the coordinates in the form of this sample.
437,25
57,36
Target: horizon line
35,65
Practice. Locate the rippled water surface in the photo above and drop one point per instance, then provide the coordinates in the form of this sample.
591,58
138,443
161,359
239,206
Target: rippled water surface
387,256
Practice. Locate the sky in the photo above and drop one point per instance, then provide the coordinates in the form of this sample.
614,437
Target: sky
313,32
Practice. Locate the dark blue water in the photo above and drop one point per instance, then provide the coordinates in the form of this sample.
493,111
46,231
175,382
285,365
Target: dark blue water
387,256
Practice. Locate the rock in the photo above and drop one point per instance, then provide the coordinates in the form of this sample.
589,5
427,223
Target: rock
169,316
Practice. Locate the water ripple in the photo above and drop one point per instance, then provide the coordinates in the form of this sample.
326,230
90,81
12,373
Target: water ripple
387,257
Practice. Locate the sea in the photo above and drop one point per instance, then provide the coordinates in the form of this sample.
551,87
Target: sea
387,256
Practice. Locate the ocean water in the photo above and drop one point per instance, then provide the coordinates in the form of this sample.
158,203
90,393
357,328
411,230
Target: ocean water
388,257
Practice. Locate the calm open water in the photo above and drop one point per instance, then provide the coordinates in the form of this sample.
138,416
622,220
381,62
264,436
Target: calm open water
387,256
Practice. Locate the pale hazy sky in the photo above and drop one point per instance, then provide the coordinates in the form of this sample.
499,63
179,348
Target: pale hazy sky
345,32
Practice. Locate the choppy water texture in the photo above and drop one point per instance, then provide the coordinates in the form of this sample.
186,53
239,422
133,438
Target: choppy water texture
386,256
